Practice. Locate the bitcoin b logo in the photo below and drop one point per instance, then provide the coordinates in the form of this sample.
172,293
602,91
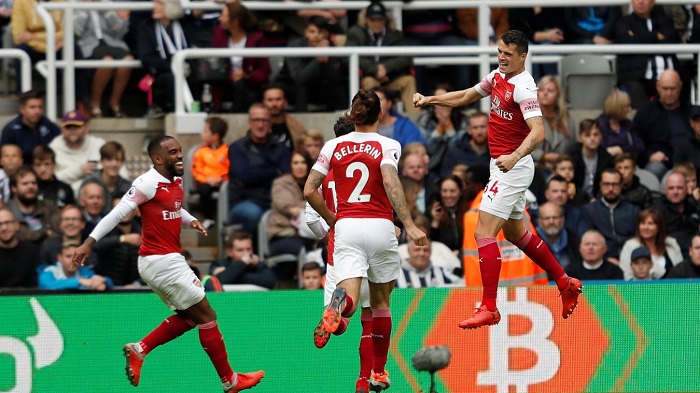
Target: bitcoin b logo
544,359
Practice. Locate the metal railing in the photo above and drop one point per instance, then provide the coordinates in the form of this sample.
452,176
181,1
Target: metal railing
25,66
69,63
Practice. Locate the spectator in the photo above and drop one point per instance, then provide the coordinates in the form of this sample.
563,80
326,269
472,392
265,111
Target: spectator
663,124
641,265
562,241
691,180
556,192
610,215
159,37
112,157
467,22
118,252
542,25
5,14
241,266
663,250
38,219
639,73
392,124
413,165
616,127
77,153
593,266
418,270
30,128
247,76
17,258
92,201
564,167
310,77
256,160
101,37
633,190
286,129
690,268
441,127
680,210
590,160
440,255
448,214
70,229
555,114
210,166
44,165
29,32
390,72
311,276
311,143
10,160
335,17
591,25
470,148
66,275
690,149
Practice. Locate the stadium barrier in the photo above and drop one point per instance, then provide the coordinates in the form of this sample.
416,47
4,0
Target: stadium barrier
622,338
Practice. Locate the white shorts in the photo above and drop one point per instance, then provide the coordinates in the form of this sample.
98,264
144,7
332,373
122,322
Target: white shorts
172,280
366,247
331,284
504,195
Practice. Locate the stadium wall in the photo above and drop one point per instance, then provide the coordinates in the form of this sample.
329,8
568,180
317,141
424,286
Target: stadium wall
622,338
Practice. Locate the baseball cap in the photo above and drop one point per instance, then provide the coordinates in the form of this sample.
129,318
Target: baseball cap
74,117
376,10
695,112
640,252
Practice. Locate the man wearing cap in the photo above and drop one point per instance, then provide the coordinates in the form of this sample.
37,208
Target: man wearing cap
77,153
30,128
641,264
690,150
392,72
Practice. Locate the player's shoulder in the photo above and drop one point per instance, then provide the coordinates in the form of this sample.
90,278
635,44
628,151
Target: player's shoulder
148,180
524,80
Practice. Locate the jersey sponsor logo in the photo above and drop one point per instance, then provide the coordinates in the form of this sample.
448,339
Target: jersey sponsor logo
355,149
530,105
171,215
495,107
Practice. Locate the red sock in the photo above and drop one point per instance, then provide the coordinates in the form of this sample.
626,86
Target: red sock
490,267
381,335
171,328
366,347
342,327
537,250
349,308
213,344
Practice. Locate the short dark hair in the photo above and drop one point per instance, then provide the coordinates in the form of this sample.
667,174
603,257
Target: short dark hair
20,172
43,152
624,156
517,38
310,266
555,178
610,171
217,126
238,236
112,150
154,144
343,127
30,95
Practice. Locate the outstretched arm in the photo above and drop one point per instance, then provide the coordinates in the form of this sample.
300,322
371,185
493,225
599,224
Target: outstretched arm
451,99
394,190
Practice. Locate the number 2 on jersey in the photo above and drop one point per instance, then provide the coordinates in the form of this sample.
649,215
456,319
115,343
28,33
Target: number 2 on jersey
356,194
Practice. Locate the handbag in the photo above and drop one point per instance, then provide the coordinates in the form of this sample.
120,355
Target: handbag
146,85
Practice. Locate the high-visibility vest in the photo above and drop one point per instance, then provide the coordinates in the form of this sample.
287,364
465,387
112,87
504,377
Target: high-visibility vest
516,268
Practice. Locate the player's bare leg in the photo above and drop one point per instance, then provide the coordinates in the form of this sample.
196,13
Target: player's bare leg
379,294
210,337
490,268
536,249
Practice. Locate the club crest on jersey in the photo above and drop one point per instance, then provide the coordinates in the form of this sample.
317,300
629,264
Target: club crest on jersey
508,94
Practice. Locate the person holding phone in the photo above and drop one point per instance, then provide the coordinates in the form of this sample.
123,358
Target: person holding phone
448,213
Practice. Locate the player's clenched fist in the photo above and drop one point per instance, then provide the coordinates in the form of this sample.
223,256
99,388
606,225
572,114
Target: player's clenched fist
417,236
419,100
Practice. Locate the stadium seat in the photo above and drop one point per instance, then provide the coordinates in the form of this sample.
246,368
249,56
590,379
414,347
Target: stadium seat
264,245
191,196
649,180
587,80
222,219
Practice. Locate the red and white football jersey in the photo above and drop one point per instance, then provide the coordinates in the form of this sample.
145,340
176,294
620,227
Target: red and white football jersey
328,193
513,101
159,201
355,160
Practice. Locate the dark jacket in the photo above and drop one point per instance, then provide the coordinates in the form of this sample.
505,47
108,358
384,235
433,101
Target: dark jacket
46,216
637,194
395,65
607,271
525,20
689,151
617,224
257,69
57,191
685,269
116,260
148,49
18,266
567,256
651,123
605,160
237,272
18,133
681,226
631,29
628,140
253,168
462,153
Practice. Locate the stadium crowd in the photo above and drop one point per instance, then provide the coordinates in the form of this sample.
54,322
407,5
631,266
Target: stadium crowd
615,197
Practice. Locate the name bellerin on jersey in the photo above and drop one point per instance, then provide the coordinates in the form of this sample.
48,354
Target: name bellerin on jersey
357,148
